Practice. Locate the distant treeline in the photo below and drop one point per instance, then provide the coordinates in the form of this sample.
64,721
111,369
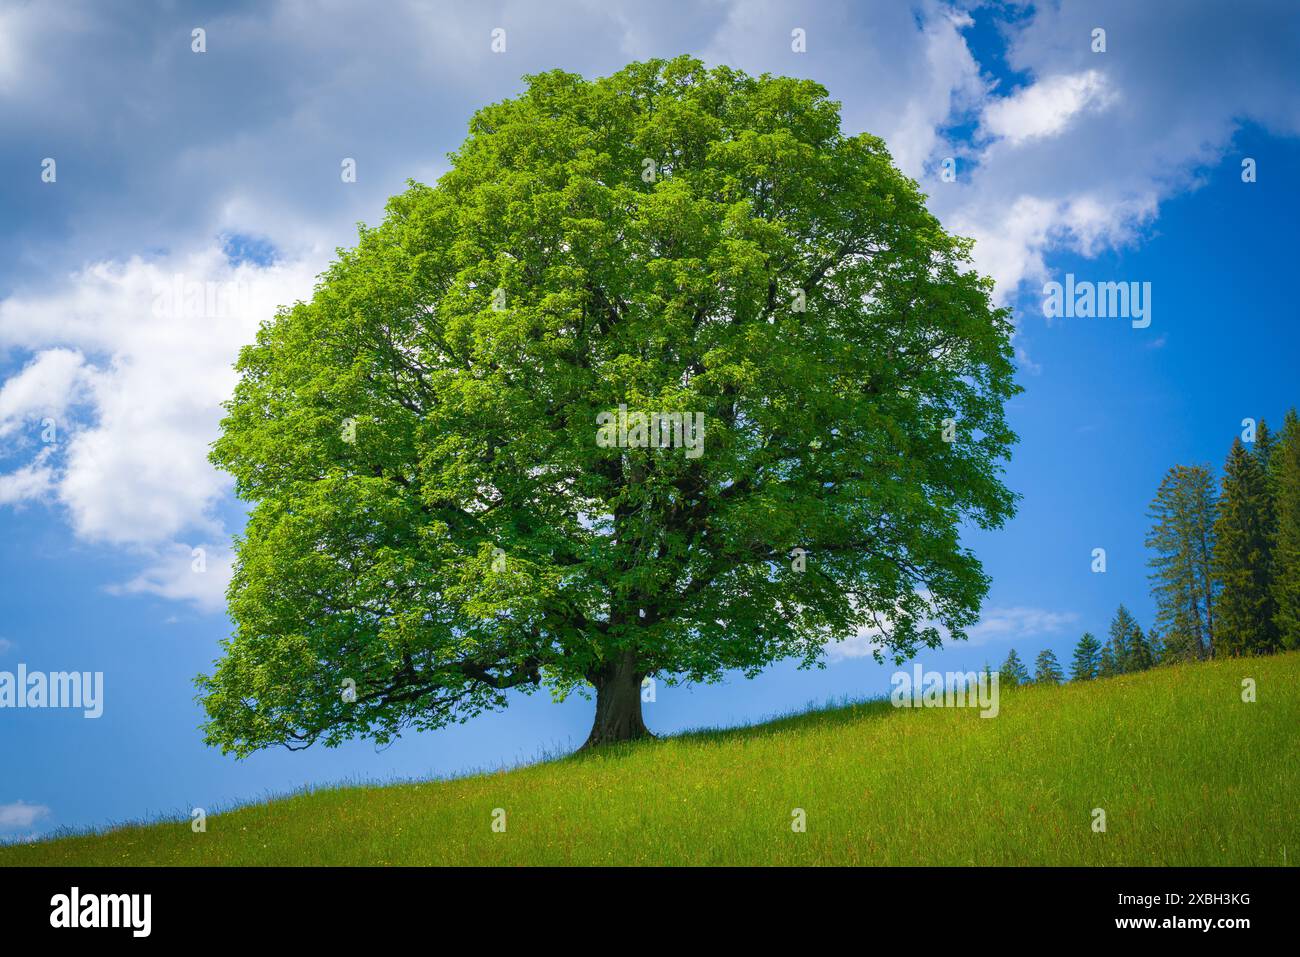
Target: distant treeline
1225,571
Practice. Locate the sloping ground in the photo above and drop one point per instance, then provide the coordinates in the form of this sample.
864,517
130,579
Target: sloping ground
1185,771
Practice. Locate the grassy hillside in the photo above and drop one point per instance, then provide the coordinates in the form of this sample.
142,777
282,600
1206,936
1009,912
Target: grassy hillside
1186,772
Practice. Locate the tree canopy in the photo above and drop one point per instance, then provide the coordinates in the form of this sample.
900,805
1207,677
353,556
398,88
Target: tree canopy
435,518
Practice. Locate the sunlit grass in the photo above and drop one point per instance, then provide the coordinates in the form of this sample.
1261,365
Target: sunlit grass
1186,772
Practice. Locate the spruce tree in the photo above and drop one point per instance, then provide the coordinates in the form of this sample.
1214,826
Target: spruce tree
1265,443
1087,658
1244,610
1182,537
1047,670
1013,671
1159,649
1107,666
1141,655
1284,475
1122,628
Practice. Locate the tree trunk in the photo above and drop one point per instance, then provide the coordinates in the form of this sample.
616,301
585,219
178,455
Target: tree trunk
618,704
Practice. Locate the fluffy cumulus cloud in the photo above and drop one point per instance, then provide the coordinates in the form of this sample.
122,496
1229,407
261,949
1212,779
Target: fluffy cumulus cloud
44,388
158,339
1047,107
123,306
121,397
1080,156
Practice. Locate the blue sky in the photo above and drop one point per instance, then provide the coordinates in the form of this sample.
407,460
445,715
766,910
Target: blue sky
223,167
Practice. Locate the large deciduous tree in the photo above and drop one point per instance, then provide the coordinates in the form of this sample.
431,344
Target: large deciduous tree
435,517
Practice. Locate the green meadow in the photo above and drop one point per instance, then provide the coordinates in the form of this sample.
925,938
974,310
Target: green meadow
1186,772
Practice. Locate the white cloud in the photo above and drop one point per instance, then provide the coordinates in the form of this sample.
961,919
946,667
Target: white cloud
178,572
1004,624
996,624
1047,107
145,351
166,333
20,814
1081,159
1010,238
30,483
1014,235
44,388
951,83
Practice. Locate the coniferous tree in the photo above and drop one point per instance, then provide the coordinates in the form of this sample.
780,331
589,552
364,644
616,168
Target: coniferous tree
1087,658
1284,476
1141,655
1047,670
1159,649
1182,536
1244,610
1179,647
1013,671
1265,443
1107,666
1122,628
